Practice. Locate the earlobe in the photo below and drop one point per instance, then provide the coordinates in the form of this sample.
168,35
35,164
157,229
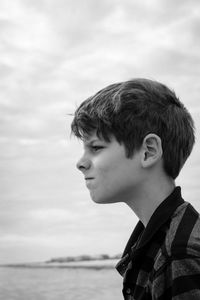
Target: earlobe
152,150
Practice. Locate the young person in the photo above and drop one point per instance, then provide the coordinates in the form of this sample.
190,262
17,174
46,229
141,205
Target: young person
137,136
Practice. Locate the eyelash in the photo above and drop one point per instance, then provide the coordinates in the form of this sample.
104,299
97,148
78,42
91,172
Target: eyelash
96,148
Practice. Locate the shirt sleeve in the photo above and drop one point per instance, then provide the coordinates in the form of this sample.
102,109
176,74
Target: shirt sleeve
179,279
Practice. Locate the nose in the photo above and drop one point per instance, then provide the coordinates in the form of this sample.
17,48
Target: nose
83,164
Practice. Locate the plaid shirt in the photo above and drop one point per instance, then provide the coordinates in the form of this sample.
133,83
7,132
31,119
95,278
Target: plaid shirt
162,261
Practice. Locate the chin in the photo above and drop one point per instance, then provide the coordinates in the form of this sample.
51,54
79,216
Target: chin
99,201
103,200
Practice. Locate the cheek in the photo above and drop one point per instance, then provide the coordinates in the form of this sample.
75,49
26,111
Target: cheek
108,171
111,167
111,176
103,165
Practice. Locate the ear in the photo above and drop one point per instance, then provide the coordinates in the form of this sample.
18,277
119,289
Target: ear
152,150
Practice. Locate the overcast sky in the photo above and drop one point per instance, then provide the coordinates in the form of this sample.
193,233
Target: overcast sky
53,55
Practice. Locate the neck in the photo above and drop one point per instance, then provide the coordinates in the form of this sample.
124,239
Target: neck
150,197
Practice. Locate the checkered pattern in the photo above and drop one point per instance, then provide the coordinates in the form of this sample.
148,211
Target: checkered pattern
162,261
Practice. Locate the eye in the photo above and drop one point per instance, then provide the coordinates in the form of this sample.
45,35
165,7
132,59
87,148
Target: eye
96,148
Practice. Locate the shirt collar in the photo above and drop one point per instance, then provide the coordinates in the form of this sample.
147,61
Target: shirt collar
141,235
163,212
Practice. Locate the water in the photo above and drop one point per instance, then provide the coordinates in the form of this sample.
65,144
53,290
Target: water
59,284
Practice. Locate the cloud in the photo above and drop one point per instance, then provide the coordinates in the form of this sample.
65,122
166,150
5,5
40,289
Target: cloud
53,215
53,56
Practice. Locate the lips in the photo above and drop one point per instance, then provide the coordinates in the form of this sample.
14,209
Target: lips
89,182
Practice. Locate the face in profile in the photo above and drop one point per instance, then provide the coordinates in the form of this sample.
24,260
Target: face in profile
109,175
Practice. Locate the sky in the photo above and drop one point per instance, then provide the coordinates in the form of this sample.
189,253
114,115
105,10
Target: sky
53,55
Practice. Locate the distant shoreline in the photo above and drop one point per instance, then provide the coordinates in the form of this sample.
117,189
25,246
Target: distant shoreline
91,264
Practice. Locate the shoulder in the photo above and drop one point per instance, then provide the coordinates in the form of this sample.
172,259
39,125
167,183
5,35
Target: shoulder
182,238
184,230
177,264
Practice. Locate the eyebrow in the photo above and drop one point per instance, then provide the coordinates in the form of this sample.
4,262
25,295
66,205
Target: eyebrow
91,141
